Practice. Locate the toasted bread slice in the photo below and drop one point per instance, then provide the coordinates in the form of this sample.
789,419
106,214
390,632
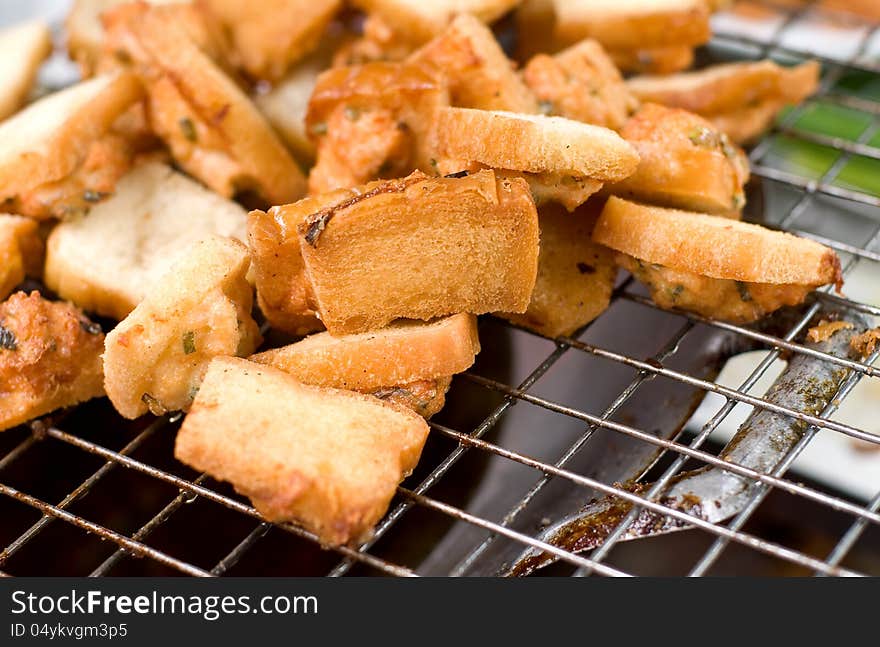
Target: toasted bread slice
479,74
50,140
401,353
575,275
714,247
729,87
425,397
284,293
107,261
379,42
634,24
746,125
50,357
581,83
372,120
155,359
420,21
328,459
21,251
533,143
658,60
85,33
685,163
22,49
420,248
270,35
212,128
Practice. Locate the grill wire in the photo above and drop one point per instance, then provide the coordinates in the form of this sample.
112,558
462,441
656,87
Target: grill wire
418,496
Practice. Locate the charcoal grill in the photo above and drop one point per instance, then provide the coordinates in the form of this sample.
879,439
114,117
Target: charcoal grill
85,493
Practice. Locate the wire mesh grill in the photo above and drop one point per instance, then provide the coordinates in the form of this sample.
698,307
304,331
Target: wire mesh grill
417,496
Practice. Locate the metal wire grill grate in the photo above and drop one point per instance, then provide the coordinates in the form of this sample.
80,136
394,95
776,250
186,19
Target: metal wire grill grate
417,494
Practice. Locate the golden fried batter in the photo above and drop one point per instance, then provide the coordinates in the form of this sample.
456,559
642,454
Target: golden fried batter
50,357
581,83
724,299
371,121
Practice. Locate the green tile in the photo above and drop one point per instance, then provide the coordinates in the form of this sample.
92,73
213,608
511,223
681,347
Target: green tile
800,157
860,174
833,121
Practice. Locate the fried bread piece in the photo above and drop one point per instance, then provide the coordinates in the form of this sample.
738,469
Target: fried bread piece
213,129
714,266
379,42
270,35
658,60
57,156
23,48
470,60
741,99
575,275
155,359
327,459
108,260
50,357
685,163
633,24
581,83
562,159
21,251
420,21
371,121
85,33
284,293
404,352
425,397
420,248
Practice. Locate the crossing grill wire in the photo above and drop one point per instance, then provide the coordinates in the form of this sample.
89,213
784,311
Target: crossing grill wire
86,493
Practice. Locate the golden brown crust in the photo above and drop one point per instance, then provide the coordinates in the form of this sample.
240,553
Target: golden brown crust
371,121
580,83
864,345
469,59
401,353
270,35
658,60
424,248
685,163
730,86
50,357
419,21
714,247
734,301
633,24
378,43
21,251
327,459
60,145
575,275
155,359
826,329
533,143
213,129
425,397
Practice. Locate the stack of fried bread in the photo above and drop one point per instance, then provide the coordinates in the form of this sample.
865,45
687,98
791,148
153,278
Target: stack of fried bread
296,217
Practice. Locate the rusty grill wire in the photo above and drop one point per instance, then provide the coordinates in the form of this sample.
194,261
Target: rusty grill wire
137,544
